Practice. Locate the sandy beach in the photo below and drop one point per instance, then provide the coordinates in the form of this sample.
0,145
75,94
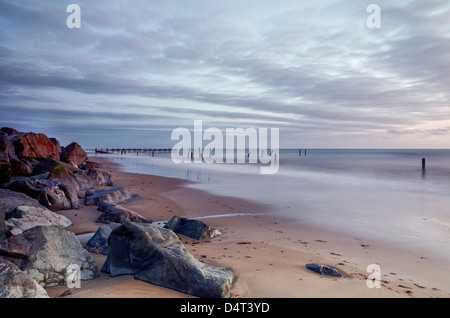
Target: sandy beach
266,254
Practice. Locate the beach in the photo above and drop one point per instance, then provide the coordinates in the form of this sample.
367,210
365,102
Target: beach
265,252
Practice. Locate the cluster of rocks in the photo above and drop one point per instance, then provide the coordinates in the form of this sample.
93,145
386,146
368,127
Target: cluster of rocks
39,177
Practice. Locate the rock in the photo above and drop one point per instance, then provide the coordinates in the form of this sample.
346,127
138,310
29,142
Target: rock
9,160
76,177
99,178
73,154
20,167
114,195
192,228
16,284
57,145
118,214
323,270
45,166
12,200
45,253
156,256
104,205
90,165
10,131
5,167
2,221
27,217
54,194
5,164
34,146
98,243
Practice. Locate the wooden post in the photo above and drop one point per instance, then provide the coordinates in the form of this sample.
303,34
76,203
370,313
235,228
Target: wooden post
423,164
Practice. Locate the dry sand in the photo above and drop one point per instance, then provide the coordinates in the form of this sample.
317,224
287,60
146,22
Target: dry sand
266,254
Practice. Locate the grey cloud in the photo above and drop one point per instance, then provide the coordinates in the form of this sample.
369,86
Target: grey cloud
305,67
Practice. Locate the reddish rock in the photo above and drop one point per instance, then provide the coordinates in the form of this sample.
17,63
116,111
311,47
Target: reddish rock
57,145
35,146
2,220
5,164
73,154
10,131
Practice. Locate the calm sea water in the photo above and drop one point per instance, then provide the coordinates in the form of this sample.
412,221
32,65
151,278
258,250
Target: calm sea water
382,194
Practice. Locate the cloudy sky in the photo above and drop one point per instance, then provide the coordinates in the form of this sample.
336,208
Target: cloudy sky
136,70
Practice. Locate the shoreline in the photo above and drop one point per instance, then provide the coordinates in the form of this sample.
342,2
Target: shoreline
266,254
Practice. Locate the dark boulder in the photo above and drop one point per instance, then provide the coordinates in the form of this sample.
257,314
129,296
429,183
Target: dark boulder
98,243
74,176
324,270
46,253
20,167
114,195
16,284
10,164
45,165
2,221
191,228
157,256
54,194
99,178
5,164
13,199
90,165
10,131
73,154
118,214
80,179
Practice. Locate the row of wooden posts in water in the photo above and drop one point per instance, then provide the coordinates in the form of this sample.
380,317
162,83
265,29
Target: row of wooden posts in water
123,151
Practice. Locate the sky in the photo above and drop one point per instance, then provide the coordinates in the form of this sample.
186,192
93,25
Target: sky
136,70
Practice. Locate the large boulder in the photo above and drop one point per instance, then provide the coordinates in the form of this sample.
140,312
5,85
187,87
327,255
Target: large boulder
76,177
2,221
99,178
54,194
73,154
98,243
114,195
16,284
20,167
13,199
91,165
57,145
47,253
27,217
10,131
10,164
191,228
118,214
157,256
46,165
34,146
80,179
5,164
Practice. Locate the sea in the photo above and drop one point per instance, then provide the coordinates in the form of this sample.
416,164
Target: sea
382,194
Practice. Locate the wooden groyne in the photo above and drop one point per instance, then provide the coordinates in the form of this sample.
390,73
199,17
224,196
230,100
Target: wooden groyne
124,151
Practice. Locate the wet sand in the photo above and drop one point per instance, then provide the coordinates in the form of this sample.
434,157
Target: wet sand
266,254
